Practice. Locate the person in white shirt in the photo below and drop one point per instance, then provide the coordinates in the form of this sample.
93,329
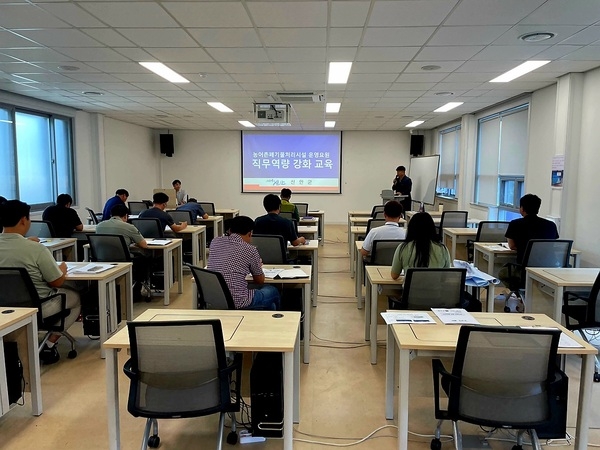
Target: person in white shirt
179,193
392,211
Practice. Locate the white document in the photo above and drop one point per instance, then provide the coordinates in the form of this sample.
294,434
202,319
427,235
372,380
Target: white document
272,273
158,241
93,268
291,273
450,316
392,317
499,247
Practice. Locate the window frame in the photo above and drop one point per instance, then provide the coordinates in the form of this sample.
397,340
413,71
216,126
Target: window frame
449,192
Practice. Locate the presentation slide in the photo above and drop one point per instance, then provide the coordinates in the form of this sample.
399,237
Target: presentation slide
304,162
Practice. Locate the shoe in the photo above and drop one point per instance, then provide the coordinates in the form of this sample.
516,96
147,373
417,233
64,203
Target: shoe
49,355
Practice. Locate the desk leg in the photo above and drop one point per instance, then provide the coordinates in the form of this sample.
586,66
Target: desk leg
307,313
288,401
179,268
403,382
195,251
528,300
373,324
112,399
368,308
315,276
129,287
35,382
359,279
103,313
4,402
390,355
167,258
113,320
352,258
558,299
491,295
297,379
585,402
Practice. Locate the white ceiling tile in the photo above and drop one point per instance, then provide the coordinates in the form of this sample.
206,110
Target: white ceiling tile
562,33
72,14
303,78
226,37
209,78
349,14
427,77
92,54
341,53
135,53
410,12
564,66
378,67
386,53
491,12
158,37
19,67
136,77
508,52
289,14
458,86
487,66
448,53
262,86
28,16
248,67
412,86
445,66
118,67
397,36
588,53
209,14
60,38
93,77
372,77
586,36
108,37
130,14
293,37
13,40
557,51
238,54
208,68
345,37
581,12
467,35
47,77
468,76
36,55
307,67
296,54
167,55
255,78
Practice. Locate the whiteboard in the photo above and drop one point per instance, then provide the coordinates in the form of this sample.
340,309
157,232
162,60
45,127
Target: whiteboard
423,172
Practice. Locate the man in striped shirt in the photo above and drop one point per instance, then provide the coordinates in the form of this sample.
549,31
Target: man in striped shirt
235,257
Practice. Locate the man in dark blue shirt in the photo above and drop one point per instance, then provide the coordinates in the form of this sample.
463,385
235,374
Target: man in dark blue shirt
195,208
159,204
272,223
120,198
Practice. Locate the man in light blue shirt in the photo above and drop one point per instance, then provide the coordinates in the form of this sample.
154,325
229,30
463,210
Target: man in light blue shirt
391,230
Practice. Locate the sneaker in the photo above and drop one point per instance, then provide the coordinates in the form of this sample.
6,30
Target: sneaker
49,355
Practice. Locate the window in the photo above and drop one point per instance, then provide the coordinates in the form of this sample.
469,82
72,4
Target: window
501,157
36,150
449,150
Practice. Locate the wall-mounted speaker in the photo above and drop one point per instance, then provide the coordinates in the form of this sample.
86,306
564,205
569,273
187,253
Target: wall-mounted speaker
416,144
166,144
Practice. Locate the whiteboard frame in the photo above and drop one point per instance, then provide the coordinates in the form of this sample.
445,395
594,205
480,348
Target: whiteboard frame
424,181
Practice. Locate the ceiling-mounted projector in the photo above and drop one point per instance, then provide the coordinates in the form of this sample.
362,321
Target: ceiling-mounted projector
272,114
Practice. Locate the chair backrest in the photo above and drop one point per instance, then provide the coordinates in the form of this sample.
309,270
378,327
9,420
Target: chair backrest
149,227
209,208
376,209
382,252
137,207
18,290
93,216
488,231
41,229
176,368
213,292
181,216
426,288
149,203
286,215
374,223
271,247
302,209
454,219
547,253
593,304
379,215
108,248
504,373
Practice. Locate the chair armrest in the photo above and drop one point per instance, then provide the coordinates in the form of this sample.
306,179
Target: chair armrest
55,317
128,371
570,310
448,382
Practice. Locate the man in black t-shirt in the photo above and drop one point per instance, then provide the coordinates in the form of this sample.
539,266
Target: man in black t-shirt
159,204
64,220
403,185
273,223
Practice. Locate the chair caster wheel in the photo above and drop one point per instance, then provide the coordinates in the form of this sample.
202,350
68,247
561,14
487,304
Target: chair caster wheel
436,444
517,447
596,377
154,441
506,309
72,354
232,438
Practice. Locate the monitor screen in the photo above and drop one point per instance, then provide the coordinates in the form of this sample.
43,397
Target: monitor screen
307,162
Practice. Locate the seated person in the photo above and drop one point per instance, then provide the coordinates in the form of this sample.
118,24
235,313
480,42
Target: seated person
47,276
180,194
159,204
234,256
193,206
64,220
286,205
392,211
120,198
272,223
118,225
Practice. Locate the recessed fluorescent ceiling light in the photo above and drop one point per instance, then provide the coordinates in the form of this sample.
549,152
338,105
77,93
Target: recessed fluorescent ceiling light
339,72
448,106
246,123
219,106
414,123
333,107
519,71
163,71
329,123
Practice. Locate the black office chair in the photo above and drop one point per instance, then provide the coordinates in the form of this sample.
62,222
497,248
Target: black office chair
452,219
376,209
209,208
272,248
584,308
379,215
487,231
426,288
502,377
179,369
95,218
137,207
181,216
41,229
287,215
382,254
212,290
149,203
149,227
553,253
302,209
372,223
18,291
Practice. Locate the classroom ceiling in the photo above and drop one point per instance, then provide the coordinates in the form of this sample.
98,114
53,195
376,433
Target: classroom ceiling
239,52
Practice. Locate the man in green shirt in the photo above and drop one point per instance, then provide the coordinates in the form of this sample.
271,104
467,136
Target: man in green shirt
286,205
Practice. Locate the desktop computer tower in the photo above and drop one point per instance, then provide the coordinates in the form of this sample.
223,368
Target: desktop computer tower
266,395
557,428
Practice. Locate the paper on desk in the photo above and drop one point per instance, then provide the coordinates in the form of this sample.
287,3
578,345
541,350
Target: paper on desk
499,247
292,273
475,277
271,273
158,241
92,268
564,341
392,317
454,316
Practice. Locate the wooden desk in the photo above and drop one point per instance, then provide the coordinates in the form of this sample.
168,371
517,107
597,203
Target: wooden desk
213,221
351,215
56,246
243,331
376,276
355,232
309,232
490,257
107,295
557,280
455,236
319,214
198,236
227,213
21,326
440,340
172,265
313,248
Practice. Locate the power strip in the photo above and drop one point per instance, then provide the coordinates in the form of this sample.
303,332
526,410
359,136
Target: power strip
247,438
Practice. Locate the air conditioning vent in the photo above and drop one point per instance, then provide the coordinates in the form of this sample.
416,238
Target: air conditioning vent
298,97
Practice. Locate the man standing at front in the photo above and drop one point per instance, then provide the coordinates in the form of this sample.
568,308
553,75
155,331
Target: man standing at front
235,257
403,185
180,194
